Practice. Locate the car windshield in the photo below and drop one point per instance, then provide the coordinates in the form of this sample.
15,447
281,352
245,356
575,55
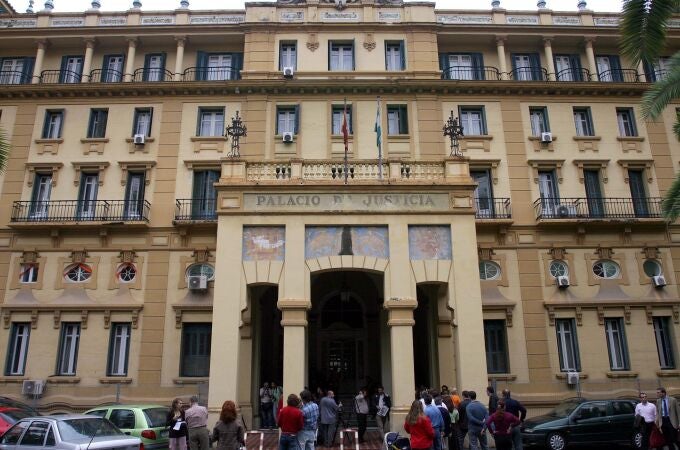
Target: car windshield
564,408
155,417
14,415
85,428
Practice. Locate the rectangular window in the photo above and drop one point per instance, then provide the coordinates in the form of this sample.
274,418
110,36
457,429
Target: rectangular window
567,345
204,194
18,349
616,344
472,120
218,66
71,69
483,193
394,56
462,66
28,273
154,67
288,55
68,349
397,120
341,56
119,348
112,69
336,117
134,195
583,122
568,68
626,122
527,67
496,344
210,122
539,120
54,121
40,198
141,123
87,197
609,68
97,126
664,342
287,119
16,70
195,351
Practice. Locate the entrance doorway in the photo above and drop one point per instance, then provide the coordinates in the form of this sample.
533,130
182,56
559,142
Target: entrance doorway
267,338
425,351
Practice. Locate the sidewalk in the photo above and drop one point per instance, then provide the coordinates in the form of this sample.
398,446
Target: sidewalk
271,438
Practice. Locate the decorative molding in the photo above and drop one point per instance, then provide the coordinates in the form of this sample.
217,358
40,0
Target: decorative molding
604,252
107,319
202,255
79,256
626,314
33,168
83,319
202,164
546,164
649,312
98,167
551,315
312,42
643,164
491,164
139,166
600,315
485,253
599,164
676,313
579,316
651,252
557,253
369,42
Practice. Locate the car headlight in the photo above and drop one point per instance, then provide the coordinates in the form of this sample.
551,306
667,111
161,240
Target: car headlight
527,430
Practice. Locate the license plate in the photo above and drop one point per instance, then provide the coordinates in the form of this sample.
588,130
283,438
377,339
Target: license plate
165,433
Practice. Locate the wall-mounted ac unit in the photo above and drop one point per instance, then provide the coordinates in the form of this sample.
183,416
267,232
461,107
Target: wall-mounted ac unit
198,282
288,72
659,281
572,378
33,388
139,139
287,137
566,211
562,281
546,137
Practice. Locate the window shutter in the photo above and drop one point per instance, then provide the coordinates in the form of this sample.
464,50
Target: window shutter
402,54
615,64
444,66
387,56
330,50
62,73
147,64
45,124
354,51
575,64
483,114
27,74
535,61
163,57
513,60
201,65
148,133
105,68
237,65
478,65
297,119
403,120
281,55
649,71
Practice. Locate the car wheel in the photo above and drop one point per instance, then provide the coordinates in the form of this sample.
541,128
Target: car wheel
637,439
555,441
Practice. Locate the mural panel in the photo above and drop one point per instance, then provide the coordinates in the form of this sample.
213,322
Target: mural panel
429,242
264,243
346,240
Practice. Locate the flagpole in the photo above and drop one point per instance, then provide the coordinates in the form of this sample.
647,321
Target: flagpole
345,137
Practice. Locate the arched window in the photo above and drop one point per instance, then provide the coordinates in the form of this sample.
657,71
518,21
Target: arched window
78,273
558,268
201,269
606,269
127,273
489,270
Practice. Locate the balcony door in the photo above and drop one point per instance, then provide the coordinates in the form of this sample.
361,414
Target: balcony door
42,188
204,195
134,196
113,69
636,180
219,66
71,69
87,198
483,193
547,187
591,180
460,67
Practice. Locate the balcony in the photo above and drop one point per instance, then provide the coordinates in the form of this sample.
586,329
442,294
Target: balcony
106,76
569,75
196,210
573,74
471,73
15,77
532,73
592,209
60,76
205,73
619,76
492,209
76,211
148,75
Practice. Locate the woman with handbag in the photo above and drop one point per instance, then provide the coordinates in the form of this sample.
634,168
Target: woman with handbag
500,424
178,427
228,433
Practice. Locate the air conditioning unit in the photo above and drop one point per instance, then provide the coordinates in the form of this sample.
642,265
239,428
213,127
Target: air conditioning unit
287,137
659,281
139,139
572,378
565,211
198,282
546,137
33,388
562,281
288,72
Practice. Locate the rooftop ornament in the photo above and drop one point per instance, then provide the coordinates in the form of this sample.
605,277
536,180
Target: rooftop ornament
49,5
582,5
236,131
495,4
29,10
96,4
136,4
184,4
541,4
454,131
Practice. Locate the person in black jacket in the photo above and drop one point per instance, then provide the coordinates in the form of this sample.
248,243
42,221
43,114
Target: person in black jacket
177,425
382,404
493,399
462,421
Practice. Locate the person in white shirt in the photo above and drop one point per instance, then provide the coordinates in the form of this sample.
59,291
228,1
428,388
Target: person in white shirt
648,413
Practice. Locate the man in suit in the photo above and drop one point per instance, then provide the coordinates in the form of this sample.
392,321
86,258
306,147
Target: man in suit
667,417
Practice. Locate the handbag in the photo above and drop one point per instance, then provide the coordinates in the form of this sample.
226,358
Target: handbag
656,439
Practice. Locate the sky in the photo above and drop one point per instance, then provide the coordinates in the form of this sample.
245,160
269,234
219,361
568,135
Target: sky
156,5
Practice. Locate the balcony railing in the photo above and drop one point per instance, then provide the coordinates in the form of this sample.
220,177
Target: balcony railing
196,210
619,76
59,76
532,73
471,73
573,74
492,208
149,75
14,77
106,76
657,75
598,208
204,73
80,211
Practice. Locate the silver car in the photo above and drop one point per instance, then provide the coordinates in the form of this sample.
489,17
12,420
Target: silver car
67,432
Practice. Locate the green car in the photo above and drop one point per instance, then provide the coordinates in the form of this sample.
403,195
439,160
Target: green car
146,422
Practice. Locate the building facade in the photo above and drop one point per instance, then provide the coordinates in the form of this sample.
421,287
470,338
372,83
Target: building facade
144,255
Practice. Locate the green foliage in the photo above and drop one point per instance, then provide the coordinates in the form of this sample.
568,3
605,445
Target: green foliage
643,28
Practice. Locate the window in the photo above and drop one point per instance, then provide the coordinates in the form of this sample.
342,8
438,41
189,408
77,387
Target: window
638,193
657,70
35,435
609,68
526,67
626,121
568,68
18,349
462,66
12,435
394,56
664,342
201,269
583,122
78,273
154,67
71,69
538,115
204,194
97,126
337,112
472,120
40,197
126,273
218,66
496,345
68,349
567,345
210,122
397,120
489,270
87,196
288,55
123,418
54,120
606,269
141,123
287,119
16,70
134,195
341,56
558,268
594,197
28,273
616,344
112,69
119,348
195,351
652,268
483,193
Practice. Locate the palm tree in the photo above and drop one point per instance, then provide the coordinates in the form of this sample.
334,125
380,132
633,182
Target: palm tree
643,30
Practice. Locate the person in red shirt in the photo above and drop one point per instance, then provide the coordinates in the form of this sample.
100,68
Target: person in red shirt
290,421
500,424
418,425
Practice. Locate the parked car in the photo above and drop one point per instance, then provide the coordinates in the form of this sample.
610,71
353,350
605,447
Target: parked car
146,422
583,422
67,432
11,403
9,416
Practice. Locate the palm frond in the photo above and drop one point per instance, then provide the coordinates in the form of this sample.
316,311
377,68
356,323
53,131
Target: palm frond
643,28
670,205
5,148
676,128
659,96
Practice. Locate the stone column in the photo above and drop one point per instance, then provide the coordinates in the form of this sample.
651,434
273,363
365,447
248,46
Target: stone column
39,58
500,48
87,61
590,55
642,76
179,58
130,58
550,62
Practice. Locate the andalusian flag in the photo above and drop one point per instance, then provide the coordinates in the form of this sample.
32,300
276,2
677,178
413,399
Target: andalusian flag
378,136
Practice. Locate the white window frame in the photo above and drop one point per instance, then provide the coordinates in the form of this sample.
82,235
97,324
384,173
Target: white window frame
285,120
393,56
538,119
55,121
119,348
210,122
460,67
664,342
12,70
342,56
18,349
143,118
68,349
616,343
583,122
28,273
288,55
567,345
626,122
472,120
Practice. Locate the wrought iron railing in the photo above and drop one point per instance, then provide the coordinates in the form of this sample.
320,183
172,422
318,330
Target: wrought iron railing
14,77
60,76
532,73
598,208
106,76
150,75
657,75
196,209
492,208
619,76
204,73
573,74
471,73
81,211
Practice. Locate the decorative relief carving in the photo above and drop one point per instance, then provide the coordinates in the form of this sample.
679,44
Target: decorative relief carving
107,319
626,314
312,42
604,252
650,314
79,256
369,42
651,252
202,255
29,257
485,253
579,316
127,256
600,315
557,253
